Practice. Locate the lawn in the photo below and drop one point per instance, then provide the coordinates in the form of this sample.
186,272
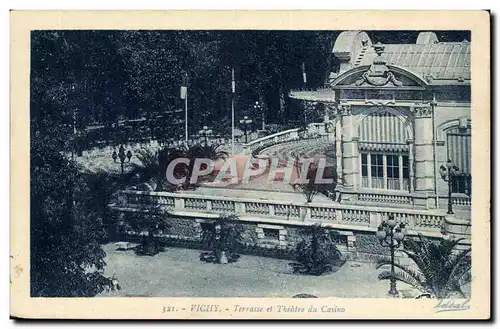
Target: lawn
179,273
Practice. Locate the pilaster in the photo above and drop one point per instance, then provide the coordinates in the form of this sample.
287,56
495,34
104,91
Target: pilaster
424,153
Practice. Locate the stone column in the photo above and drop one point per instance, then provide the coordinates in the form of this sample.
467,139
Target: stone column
350,156
338,147
424,156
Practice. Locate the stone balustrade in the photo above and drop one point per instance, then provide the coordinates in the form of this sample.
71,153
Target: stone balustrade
461,200
280,137
342,216
386,197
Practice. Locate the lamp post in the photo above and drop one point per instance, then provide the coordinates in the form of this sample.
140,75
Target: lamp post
122,156
391,234
258,108
245,122
448,174
205,132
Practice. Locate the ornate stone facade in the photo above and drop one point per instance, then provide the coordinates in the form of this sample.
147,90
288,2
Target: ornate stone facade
396,107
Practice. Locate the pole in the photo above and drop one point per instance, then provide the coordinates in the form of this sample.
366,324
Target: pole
186,115
304,79
450,186
233,86
392,290
263,119
73,149
434,131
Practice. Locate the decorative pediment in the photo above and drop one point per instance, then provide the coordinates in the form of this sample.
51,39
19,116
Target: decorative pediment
379,74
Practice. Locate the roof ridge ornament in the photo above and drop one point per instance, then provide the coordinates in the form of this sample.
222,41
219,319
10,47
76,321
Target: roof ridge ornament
378,74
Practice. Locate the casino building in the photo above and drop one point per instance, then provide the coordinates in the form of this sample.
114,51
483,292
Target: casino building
399,112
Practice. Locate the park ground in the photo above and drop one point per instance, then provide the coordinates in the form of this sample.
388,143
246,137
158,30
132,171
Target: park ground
178,272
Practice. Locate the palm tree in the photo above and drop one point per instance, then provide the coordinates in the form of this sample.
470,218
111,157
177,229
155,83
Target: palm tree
311,189
317,253
439,269
154,165
154,222
212,152
222,239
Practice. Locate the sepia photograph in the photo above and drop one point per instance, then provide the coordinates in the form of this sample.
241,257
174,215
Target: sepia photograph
253,163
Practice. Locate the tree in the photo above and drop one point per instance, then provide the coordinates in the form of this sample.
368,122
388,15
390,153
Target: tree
66,257
317,253
151,221
222,238
438,269
311,188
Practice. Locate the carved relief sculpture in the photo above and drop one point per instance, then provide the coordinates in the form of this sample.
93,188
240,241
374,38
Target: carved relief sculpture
378,74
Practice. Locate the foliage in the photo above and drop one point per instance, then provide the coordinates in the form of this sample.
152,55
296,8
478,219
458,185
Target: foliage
66,259
310,189
151,221
439,269
111,76
312,186
154,164
317,253
211,151
223,235
102,188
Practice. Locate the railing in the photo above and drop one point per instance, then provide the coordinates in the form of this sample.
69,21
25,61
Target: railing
461,200
280,137
374,197
345,216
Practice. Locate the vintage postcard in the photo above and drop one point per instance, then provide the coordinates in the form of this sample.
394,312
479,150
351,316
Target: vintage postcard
250,165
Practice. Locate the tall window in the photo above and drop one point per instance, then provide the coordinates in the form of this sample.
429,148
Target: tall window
377,170
385,171
459,152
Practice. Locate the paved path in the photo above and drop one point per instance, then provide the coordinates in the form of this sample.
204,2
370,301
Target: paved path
179,273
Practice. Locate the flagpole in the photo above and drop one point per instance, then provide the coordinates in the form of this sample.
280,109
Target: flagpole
184,97
186,115
232,109
304,77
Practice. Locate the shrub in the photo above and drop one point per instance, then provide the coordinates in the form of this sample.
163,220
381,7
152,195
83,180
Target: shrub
317,253
223,238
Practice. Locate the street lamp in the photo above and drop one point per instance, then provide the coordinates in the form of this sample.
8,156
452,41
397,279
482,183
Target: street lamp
448,173
205,132
257,107
245,122
122,156
391,234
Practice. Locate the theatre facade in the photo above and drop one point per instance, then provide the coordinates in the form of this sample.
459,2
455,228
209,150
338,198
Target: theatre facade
399,112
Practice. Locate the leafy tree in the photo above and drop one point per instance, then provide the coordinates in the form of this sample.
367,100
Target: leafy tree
439,269
222,238
66,221
317,253
66,256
